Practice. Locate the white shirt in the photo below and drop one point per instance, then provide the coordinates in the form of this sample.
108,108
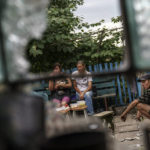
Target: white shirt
82,83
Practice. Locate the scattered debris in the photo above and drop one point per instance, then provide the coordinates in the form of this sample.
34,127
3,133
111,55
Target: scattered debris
138,145
139,134
122,140
129,139
137,138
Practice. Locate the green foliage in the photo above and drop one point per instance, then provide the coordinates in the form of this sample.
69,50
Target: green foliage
68,39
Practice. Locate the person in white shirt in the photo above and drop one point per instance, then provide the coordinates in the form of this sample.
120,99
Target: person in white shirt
83,86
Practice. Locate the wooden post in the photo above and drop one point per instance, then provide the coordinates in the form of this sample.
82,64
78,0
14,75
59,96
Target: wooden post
106,107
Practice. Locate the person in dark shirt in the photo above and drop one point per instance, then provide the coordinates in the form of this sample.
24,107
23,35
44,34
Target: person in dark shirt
143,102
60,88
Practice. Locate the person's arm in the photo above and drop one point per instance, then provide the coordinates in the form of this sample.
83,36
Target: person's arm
89,87
51,85
75,87
68,85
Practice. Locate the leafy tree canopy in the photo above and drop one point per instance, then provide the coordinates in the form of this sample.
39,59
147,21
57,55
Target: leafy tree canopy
68,39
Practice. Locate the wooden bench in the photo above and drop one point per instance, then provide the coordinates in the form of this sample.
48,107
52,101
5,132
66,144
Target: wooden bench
80,109
103,88
42,89
107,118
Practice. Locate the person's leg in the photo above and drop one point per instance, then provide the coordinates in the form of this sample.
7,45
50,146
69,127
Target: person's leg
138,115
131,106
77,96
144,113
144,109
88,100
57,102
65,100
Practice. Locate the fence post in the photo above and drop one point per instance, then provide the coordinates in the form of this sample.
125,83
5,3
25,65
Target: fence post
139,88
74,69
68,71
95,68
106,66
100,68
90,68
111,68
129,92
119,87
124,87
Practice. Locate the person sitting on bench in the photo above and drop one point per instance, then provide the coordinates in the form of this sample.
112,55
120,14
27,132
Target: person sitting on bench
60,88
83,86
143,102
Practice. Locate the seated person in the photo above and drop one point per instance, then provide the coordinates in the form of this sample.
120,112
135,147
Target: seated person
83,86
60,88
143,102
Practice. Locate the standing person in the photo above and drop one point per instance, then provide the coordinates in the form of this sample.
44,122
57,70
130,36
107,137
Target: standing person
60,88
83,86
143,102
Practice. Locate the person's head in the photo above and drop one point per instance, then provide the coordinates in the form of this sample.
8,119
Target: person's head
146,84
81,66
145,81
57,68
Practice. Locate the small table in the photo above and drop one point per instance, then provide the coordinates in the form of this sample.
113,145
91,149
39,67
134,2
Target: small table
80,109
66,113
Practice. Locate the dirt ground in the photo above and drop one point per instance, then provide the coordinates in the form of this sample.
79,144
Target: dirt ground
130,133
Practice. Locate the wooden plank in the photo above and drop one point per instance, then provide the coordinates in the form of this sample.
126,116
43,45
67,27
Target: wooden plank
68,71
124,89
95,68
119,86
129,92
90,68
74,69
139,88
111,68
105,95
48,92
106,66
103,114
133,92
100,68
106,91
79,108
133,96
123,86
39,86
104,85
99,80
45,85
105,101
